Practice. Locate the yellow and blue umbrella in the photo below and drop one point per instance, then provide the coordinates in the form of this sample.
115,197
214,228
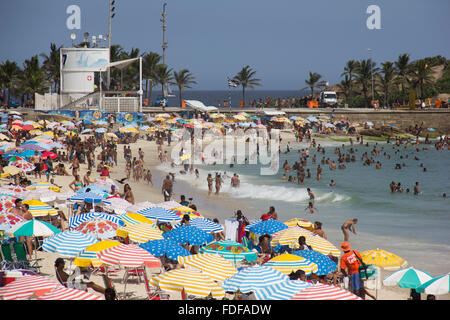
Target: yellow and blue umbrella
193,282
134,218
287,263
44,185
89,257
40,209
211,264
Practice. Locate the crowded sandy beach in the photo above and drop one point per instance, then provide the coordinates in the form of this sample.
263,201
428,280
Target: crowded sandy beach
95,184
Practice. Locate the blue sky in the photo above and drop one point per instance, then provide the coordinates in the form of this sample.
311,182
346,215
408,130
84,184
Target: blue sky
282,40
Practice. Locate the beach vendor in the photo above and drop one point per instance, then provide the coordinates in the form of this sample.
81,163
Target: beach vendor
350,262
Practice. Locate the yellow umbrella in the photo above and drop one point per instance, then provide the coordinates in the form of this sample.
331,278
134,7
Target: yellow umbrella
140,233
40,209
383,259
3,137
182,210
48,133
43,185
160,119
322,245
111,135
288,236
36,132
287,263
89,257
192,281
10,170
211,264
128,130
300,222
132,218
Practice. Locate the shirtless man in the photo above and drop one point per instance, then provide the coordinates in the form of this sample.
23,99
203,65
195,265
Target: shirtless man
348,225
416,189
318,229
209,179
87,178
218,183
235,183
167,187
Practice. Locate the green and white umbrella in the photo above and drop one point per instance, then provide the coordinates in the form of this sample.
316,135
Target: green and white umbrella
436,286
407,278
32,228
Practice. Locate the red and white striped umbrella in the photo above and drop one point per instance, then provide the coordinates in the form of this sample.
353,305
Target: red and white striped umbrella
26,286
63,293
128,255
324,292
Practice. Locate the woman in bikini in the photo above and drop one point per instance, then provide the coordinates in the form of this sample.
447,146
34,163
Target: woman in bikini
76,184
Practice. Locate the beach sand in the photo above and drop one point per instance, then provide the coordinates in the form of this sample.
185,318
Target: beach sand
144,192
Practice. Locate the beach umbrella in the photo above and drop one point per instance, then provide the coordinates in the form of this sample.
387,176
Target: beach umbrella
436,286
68,243
253,278
8,220
63,293
168,204
90,197
369,123
160,214
329,125
44,185
24,287
132,218
101,122
88,256
24,165
288,236
160,247
204,224
300,222
32,228
230,250
40,209
77,220
312,119
269,227
282,290
11,170
140,233
86,131
383,259
7,202
324,263
431,129
3,137
287,263
99,228
324,292
33,147
407,278
211,264
116,204
189,234
128,256
193,282
105,183
102,190
100,130
49,154
40,194
128,130
182,210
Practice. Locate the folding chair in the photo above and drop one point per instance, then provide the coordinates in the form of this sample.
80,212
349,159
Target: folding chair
155,294
22,257
8,261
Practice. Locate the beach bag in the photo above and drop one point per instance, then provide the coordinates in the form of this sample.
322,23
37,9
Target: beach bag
362,268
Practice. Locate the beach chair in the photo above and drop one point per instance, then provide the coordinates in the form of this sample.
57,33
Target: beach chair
154,294
9,262
22,257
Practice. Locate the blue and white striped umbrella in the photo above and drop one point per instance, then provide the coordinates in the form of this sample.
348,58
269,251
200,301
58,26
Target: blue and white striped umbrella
204,224
68,243
325,264
189,234
160,247
254,278
159,213
90,197
269,227
100,130
94,188
281,291
79,219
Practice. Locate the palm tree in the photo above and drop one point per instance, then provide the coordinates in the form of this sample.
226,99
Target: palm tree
385,78
51,65
403,69
349,71
421,74
183,79
32,79
163,76
116,53
149,64
346,86
245,78
364,75
9,73
313,82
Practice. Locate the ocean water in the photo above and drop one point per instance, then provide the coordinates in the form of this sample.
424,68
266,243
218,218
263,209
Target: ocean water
211,97
416,228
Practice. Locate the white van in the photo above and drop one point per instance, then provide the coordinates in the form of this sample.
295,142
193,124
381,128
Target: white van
328,98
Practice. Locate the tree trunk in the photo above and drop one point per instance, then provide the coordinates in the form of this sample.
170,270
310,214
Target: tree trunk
243,95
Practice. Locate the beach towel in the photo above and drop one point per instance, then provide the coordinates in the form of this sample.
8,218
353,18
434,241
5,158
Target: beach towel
231,229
